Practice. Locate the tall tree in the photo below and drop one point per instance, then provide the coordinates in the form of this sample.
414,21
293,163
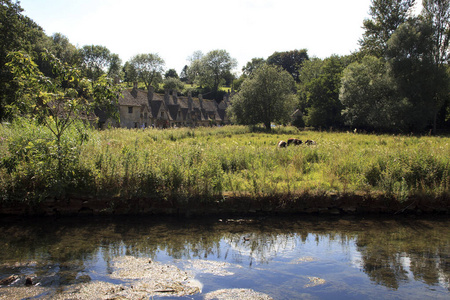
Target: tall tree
216,66
437,15
410,64
252,65
387,16
291,61
95,61
369,96
195,70
17,33
64,50
148,67
171,73
130,73
323,108
115,67
265,97
184,74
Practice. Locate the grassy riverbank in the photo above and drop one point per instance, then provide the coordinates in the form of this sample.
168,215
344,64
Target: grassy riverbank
204,167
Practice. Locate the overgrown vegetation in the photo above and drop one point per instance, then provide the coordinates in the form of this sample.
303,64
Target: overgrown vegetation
206,164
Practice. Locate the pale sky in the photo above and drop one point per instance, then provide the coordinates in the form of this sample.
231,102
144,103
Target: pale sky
174,29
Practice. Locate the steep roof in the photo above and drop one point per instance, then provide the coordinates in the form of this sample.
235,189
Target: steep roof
203,110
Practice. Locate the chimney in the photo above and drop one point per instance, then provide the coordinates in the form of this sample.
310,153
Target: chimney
166,97
200,99
175,96
190,101
151,90
134,90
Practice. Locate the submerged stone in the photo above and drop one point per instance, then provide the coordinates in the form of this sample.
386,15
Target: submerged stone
238,294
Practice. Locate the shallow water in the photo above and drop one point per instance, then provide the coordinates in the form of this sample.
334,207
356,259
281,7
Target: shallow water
283,258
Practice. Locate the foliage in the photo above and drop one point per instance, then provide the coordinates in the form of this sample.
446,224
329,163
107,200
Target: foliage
369,96
171,73
265,97
59,101
17,32
64,50
412,91
320,91
184,74
252,65
291,61
148,68
387,16
437,15
211,70
115,67
95,61
174,84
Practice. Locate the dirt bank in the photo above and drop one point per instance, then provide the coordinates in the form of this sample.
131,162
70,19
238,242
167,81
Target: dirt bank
333,204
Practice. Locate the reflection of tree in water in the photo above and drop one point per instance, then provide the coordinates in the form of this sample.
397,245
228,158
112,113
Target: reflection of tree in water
391,250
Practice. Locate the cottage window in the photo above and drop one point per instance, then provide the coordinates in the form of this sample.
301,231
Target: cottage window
130,109
162,114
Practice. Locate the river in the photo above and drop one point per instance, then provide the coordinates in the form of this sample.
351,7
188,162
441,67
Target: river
298,257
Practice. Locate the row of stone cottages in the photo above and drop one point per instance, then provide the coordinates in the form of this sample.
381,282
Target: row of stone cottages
140,109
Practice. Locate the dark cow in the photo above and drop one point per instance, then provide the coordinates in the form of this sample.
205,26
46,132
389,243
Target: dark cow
310,142
282,144
293,141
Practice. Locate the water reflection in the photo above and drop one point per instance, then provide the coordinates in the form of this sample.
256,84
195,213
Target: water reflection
393,253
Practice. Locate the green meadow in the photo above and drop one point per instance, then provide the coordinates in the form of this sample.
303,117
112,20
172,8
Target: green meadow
205,164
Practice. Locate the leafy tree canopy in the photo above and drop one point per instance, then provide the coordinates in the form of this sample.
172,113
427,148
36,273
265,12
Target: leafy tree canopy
387,16
95,60
148,68
291,61
265,97
171,73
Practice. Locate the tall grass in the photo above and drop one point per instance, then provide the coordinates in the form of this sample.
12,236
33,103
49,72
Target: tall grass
205,164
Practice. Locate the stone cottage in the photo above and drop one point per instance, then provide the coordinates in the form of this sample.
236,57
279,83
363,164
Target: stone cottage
140,109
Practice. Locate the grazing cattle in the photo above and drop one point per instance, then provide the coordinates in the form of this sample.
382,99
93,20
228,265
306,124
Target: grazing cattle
282,144
294,141
310,142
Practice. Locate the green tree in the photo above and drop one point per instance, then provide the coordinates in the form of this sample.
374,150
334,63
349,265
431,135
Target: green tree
195,69
148,67
387,16
60,100
95,61
174,84
184,74
323,108
17,32
265,97
291,61
252,65
130,73
64,50
310,71
115,67
437,15
171,73
215,67
420,80
369,96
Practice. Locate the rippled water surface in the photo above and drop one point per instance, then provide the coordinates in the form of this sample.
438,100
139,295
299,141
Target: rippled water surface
281,258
